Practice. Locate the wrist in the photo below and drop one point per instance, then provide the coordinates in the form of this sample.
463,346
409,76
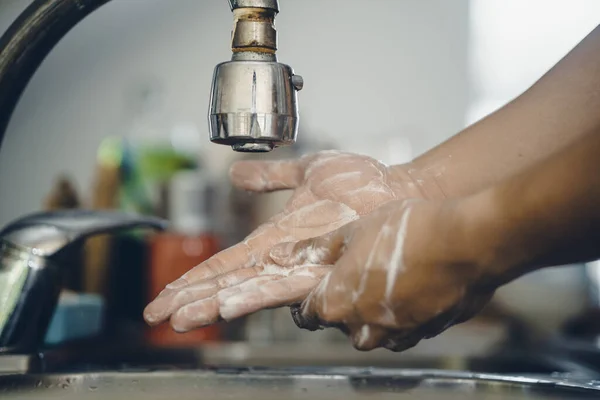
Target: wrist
412,182
488,241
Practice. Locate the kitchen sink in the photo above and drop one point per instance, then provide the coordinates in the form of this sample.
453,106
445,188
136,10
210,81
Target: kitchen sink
111,357
275,371
293,383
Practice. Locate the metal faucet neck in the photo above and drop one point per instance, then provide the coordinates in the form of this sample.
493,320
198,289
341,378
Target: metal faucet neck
268,4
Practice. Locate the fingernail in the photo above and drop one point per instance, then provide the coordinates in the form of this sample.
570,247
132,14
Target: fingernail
179,328
150,318
282,251
179,283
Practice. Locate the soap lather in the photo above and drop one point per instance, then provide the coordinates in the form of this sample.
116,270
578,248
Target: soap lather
34,253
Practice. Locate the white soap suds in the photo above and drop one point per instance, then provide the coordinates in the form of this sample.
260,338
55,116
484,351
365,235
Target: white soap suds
337,178
365,274
273,269
321,291
364,335
395,265
388,318
372,187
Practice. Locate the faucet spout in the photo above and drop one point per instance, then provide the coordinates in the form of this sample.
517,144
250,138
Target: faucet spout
27,42
253,102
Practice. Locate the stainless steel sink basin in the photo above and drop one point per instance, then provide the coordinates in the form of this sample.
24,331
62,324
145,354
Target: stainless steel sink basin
307,383
87,358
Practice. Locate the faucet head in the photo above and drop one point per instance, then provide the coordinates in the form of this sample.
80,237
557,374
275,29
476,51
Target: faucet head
254,105
253,102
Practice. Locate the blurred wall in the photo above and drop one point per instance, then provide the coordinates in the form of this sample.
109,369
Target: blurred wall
397,68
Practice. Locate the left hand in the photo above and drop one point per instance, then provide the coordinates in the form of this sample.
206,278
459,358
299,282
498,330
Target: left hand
401,274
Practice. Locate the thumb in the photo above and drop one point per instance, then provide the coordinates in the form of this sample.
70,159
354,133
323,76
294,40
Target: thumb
320,250
267,176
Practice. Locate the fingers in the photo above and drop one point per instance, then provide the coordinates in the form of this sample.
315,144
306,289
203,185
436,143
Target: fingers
402,343
164,305
267,176
183,291
321,250
308,322
230,259
269,291
170,301
368,337
329,302
195,315
232,295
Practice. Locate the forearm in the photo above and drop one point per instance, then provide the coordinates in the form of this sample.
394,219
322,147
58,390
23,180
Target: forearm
546,216
558,109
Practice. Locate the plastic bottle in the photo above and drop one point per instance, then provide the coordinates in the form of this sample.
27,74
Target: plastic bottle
189,242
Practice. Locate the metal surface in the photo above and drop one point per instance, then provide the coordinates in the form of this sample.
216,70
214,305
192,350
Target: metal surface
313,383
27,42
505,359
253,103
15,364
254,34
34,252
272,4
258,113
47,232
592,274
109,355
29,289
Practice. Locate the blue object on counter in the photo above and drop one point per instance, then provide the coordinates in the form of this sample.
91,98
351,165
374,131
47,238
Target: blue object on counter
77,316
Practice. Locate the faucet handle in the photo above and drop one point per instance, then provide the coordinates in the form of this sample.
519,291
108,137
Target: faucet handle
48,232
33,253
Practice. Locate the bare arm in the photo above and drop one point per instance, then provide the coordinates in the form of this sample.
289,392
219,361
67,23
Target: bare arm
558,109
411,269
548,215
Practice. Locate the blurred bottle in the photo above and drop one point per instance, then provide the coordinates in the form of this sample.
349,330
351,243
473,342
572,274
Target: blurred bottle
190,241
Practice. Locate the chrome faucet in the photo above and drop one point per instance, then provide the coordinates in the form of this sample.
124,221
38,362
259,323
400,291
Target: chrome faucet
253,99
35,253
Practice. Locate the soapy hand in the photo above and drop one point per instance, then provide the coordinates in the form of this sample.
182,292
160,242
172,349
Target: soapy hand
401,274
331,189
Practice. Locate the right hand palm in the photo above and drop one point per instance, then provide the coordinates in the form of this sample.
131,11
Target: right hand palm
331,189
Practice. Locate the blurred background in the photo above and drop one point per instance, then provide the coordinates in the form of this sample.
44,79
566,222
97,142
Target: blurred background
116,117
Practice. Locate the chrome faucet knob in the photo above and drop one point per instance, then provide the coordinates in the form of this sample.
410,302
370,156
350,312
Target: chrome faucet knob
297,82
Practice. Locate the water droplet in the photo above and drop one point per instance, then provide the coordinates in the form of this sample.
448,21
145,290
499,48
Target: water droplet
93,388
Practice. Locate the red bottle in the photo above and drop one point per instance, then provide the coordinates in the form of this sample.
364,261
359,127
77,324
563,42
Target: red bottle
189,242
